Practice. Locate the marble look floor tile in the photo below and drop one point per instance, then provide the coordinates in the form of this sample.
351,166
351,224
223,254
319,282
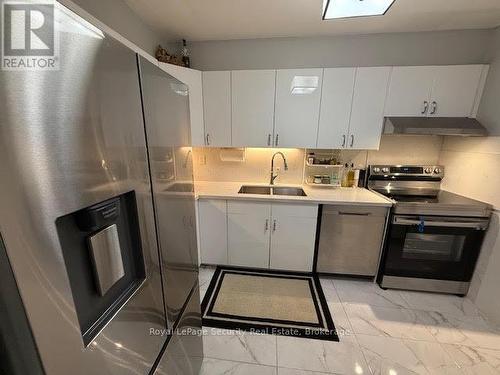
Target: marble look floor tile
343,357
205,275
464,330
290,371
442,303
212,366
383,321
387,355
340,319
329,290
240,346
475,360
367,293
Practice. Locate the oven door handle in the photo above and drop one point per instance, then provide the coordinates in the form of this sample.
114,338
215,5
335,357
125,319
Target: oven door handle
478,225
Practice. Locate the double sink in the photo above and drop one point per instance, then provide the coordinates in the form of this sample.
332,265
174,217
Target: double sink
273,190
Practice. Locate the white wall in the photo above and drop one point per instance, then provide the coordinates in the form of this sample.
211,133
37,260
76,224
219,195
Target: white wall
117,15
445,47
471,169
489,109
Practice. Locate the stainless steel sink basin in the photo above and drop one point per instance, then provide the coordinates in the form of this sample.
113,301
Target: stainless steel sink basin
247,189
287,190
182,187
274,190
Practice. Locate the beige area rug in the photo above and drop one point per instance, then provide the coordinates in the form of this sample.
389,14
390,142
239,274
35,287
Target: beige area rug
273,302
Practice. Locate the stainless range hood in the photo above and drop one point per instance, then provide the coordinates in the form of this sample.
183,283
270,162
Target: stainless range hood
463,126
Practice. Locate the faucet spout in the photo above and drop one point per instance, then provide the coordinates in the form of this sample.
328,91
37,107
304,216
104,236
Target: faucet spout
274,176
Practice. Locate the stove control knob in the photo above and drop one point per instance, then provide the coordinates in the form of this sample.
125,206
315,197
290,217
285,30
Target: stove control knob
437,170
376,169
428,170
385,170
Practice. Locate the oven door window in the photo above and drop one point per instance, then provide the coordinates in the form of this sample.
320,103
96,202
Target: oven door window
444,253
438,247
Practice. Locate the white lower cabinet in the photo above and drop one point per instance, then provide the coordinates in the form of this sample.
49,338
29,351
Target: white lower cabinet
258,234
248,231
212,216
293,236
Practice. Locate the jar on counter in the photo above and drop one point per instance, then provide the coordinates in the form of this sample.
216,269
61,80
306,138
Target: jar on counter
317,179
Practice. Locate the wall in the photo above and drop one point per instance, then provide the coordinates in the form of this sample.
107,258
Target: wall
445,47
471,169
208,165
117,15
489,110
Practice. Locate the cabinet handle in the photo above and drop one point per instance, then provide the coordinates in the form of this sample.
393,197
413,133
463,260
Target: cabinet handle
277,140
266,227
269,139
208,139
352,140
426,107
343,140
274,225
434,108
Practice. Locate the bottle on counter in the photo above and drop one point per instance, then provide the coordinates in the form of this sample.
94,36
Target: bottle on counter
350,176
344,180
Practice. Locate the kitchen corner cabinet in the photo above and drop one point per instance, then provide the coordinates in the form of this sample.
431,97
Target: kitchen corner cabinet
252,106
212,218
217,108
298,95
293,235
248,231
444,91
352,107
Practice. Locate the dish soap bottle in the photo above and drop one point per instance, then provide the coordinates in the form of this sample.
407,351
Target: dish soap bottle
350,176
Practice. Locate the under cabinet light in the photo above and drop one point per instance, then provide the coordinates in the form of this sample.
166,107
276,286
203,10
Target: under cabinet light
355,8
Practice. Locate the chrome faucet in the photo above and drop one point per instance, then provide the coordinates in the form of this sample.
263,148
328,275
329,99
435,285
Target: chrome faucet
274,176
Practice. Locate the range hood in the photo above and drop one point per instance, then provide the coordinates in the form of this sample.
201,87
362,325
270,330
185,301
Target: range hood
463,126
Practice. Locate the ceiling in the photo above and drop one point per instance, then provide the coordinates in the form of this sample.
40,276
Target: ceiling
201,20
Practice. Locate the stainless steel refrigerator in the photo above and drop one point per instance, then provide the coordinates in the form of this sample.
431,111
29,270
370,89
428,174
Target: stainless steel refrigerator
97,210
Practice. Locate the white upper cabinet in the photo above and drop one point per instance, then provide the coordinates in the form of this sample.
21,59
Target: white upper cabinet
217,108
298,94
444,91
409,91
252,107
367,112
455,90
335,113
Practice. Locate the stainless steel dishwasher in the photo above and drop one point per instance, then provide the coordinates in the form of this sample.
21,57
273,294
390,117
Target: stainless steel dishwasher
350,239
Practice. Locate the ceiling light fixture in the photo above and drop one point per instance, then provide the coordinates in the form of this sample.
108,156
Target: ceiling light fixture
355,8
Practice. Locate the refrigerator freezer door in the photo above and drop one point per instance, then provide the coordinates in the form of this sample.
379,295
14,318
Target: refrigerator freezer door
166,114
69,139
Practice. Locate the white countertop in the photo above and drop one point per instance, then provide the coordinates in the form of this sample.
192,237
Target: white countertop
319,195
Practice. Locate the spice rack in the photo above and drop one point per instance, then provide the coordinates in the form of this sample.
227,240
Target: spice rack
330,174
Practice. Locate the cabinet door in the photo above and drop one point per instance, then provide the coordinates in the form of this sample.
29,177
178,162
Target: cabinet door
293,236
455,89
298,93
409,91
213,231
217,108
248,225
252,95
336,100
367,113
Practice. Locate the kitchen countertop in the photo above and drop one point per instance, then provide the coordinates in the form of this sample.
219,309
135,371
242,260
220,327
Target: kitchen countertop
319,195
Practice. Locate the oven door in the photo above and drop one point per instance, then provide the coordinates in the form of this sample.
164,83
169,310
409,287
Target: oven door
431,247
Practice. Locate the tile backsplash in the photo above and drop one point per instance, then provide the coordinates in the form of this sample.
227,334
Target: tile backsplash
209,166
